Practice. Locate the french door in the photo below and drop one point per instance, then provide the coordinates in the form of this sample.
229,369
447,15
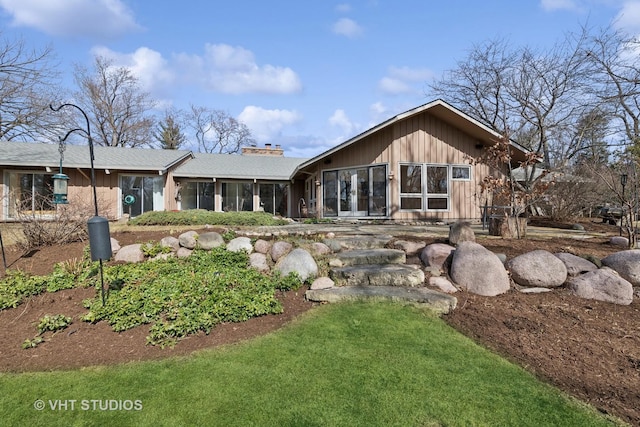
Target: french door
356,192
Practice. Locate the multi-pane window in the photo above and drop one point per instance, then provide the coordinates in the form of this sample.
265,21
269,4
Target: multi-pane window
437,188
411,187
30,193
237,196
424,187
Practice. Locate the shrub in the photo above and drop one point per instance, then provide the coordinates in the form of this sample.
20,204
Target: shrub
203,217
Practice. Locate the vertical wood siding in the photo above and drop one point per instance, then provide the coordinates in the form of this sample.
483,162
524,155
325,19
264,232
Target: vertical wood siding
424,139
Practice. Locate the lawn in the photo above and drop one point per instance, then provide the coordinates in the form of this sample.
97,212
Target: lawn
368,364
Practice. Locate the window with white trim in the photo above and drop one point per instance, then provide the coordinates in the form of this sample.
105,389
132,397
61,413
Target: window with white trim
411,186
461,173
437,188
424,187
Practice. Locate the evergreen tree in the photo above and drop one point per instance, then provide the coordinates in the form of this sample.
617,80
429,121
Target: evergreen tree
169,134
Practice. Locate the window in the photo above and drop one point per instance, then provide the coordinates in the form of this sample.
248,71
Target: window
30,193
461,173
424,187
147,192
198,195
273,198
330,196
237,196
411,187
437,188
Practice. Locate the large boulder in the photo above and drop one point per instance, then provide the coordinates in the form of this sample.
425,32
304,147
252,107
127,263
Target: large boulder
436,254
130,253
279,249
170,242
298,261
478,270
409,248
262,246
240,244
210,240
319,249
188,239
626,263
461,231
538,268
258,261
603,285
575,265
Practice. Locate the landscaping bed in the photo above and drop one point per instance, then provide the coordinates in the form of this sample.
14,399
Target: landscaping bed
587,348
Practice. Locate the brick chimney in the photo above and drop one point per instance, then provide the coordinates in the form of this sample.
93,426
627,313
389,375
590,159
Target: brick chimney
263,151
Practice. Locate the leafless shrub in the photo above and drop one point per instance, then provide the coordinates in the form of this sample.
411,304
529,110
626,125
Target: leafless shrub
50,224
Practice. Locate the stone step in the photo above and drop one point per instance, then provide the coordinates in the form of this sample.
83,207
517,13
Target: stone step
437,301
378,275
357,242
372,256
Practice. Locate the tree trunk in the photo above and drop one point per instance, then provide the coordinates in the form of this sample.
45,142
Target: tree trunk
508,227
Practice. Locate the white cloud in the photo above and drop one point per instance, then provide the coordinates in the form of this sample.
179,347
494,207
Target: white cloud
347,27
148,66
629,17
403,80
266,125
84,18
551,5
233,70
340,120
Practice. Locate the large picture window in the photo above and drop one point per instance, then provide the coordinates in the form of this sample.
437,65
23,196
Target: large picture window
147,194
237,196
198,195
30,193
273,198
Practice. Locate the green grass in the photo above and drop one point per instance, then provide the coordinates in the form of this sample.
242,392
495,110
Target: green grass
356,364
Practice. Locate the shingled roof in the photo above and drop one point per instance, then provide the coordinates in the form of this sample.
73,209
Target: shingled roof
233,166
25,154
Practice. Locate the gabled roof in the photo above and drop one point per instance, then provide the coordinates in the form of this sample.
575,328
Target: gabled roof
26,154
233,166
439,109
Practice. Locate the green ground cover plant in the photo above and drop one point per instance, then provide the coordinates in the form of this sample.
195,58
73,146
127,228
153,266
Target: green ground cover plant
185,296
373,364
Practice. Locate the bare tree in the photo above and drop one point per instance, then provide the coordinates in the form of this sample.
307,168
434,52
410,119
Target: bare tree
117,107
28,83
217,132
533,96
615,64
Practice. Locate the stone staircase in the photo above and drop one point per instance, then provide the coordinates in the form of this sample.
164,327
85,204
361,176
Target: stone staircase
365,269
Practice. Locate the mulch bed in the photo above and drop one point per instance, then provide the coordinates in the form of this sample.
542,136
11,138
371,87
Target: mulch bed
589,349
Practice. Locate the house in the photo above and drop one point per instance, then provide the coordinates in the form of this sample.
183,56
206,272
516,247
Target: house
414,166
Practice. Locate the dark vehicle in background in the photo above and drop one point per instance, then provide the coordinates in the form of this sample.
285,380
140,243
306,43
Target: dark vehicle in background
611,214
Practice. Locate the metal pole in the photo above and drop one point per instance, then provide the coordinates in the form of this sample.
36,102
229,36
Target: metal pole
4,257
100,251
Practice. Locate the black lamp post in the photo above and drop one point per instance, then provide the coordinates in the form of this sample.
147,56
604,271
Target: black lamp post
98,227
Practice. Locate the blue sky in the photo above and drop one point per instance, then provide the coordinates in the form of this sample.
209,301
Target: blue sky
303,74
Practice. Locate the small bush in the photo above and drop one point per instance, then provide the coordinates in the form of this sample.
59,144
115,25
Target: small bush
53,323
